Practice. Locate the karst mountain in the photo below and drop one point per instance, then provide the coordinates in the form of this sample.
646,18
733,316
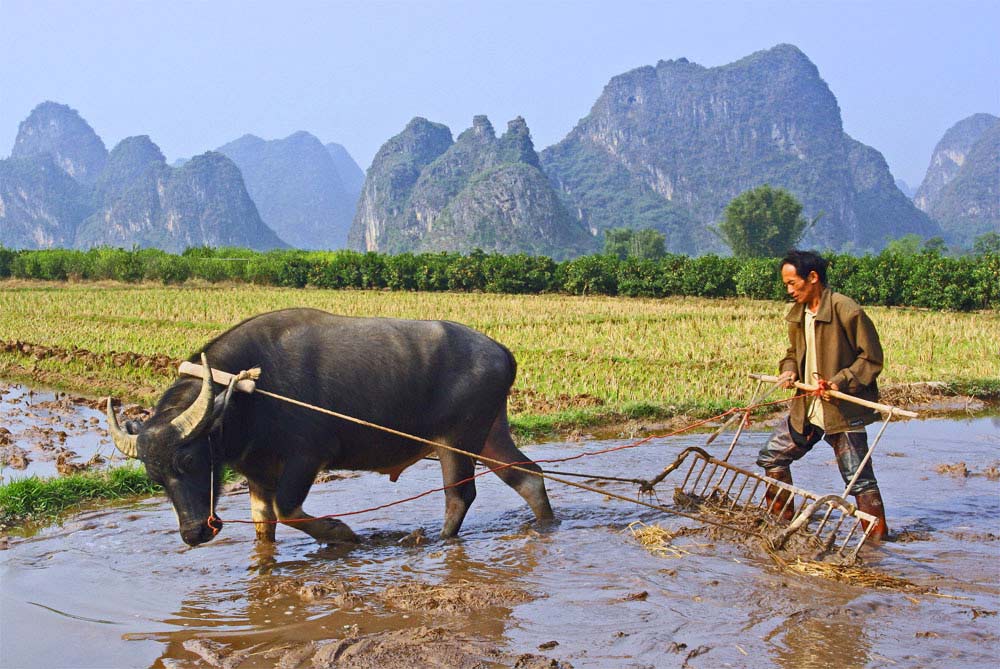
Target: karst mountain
962,187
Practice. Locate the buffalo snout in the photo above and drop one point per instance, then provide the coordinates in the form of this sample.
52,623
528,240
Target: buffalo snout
199,534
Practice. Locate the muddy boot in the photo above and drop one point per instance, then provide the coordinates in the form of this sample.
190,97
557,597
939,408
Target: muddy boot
775,498
870,501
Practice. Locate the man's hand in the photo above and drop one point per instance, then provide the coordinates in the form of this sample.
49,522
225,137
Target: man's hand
787,379
826,393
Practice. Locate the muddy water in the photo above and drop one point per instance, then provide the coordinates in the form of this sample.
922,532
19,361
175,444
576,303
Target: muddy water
115,587
44,433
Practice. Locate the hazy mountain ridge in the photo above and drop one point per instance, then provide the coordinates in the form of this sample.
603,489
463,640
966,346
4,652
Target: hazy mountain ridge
664,146
351,174
202,203
425,192
669,146
297,187
62,189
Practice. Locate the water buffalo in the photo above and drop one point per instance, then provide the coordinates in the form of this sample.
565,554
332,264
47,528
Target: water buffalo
434,379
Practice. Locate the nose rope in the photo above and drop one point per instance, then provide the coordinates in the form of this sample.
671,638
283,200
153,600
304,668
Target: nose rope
213,522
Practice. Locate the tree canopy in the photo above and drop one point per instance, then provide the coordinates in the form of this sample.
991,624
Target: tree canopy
762,223
624,243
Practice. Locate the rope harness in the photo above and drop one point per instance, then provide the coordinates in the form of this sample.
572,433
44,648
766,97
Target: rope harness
214,522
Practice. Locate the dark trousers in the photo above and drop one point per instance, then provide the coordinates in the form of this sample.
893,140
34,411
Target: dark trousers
786,446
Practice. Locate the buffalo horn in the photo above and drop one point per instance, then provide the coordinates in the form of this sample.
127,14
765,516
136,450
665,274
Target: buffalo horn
198,415
124,442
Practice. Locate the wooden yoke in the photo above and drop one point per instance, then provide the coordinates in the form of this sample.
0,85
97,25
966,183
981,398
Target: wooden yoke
223,378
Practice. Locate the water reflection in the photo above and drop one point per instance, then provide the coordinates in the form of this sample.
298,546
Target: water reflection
330,592
815,640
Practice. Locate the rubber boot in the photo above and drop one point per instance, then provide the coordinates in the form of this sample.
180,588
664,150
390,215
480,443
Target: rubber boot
775,498
870,501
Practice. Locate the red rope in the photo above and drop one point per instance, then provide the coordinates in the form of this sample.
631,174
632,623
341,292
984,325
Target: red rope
214,518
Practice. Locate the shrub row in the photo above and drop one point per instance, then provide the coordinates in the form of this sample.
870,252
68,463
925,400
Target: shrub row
926,279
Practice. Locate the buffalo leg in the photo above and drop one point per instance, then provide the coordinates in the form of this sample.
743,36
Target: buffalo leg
296,479
457,498
262,512
500,446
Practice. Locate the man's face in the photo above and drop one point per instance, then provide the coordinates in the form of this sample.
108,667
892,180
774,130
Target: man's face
803,291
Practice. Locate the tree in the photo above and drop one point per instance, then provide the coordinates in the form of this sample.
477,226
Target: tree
907,245
912,244
763,223
935,245
646,244
988,242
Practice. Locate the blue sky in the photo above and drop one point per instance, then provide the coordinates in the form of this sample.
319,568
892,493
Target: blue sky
194,75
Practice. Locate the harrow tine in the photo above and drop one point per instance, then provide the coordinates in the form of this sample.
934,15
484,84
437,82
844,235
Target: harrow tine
708,481
731,482
740,493
826,517
690,471
697,480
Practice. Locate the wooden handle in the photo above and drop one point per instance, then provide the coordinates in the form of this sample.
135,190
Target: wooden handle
220,377
884,408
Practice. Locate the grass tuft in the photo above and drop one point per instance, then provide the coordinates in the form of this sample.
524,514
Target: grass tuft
33,498
38,500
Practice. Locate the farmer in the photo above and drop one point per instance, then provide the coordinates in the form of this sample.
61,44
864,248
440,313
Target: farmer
833,344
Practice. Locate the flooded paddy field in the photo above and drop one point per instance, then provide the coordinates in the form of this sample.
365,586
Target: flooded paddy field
45,433
116,587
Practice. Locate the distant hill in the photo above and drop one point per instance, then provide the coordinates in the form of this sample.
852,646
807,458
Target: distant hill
41,206
61,188
905,188
968,205
202,203
56,130
425,192
669,146
949,156
351,175
305,191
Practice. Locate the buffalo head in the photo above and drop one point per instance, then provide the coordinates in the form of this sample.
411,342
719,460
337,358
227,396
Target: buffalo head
174,445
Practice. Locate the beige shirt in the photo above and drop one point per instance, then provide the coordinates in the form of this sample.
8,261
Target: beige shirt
814,412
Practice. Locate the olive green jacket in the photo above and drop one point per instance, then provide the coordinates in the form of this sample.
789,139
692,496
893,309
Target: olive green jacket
848,354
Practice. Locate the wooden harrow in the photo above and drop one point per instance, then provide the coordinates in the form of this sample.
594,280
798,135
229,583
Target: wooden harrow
828,525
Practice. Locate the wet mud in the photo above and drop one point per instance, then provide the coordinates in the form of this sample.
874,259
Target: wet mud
115,586
46,433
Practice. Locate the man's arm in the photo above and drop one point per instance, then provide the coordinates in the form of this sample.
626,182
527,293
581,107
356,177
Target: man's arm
868,363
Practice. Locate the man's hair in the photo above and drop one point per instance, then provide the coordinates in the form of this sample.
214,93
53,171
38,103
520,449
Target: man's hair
805,262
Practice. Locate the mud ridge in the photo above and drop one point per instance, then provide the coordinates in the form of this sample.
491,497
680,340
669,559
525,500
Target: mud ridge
159,363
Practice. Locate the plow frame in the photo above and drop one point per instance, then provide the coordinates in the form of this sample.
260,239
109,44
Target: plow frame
829,522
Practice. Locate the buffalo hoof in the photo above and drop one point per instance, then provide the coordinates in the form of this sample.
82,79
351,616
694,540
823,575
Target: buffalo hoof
546,524
333,531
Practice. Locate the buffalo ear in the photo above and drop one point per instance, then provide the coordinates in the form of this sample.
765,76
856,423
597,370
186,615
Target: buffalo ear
132,426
